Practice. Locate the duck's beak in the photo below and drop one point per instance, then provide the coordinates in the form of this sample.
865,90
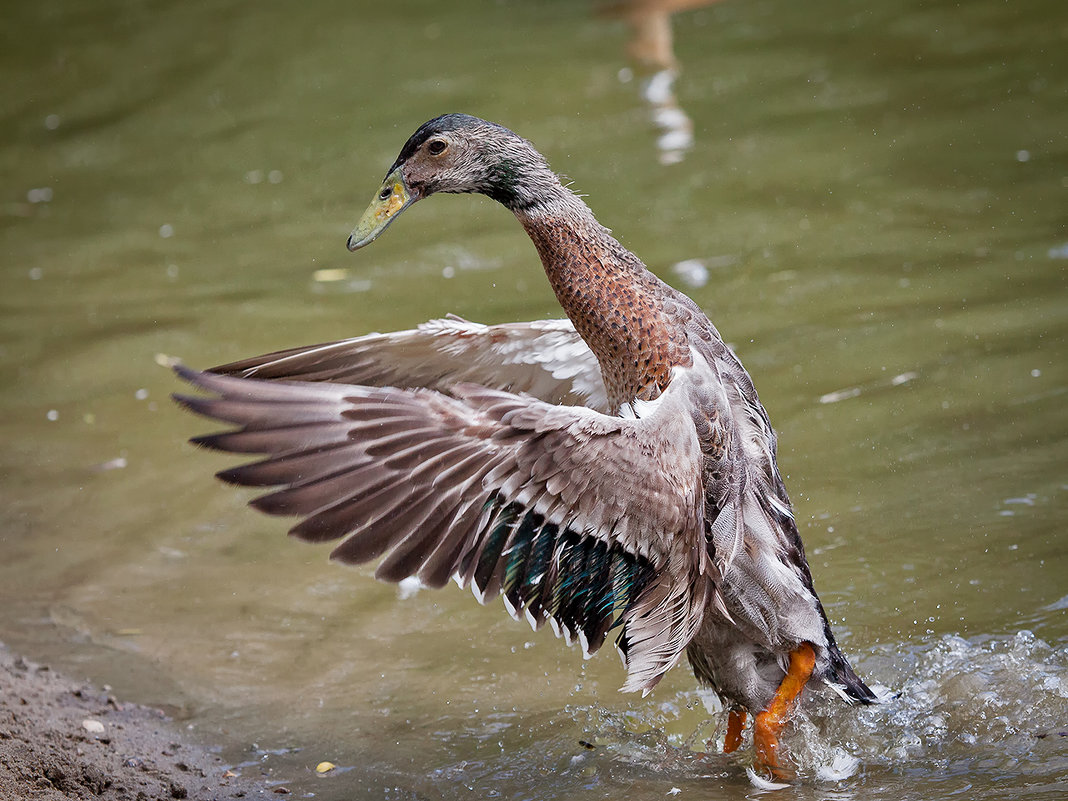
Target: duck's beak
391,200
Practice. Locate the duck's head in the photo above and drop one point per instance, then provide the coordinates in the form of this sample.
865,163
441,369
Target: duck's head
457,153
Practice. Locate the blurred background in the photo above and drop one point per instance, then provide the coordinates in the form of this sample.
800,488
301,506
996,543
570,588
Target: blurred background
869,200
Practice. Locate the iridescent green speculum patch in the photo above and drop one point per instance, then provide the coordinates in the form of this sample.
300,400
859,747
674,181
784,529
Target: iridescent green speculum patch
580,581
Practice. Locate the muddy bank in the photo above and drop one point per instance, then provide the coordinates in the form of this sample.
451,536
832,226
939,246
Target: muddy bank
61,739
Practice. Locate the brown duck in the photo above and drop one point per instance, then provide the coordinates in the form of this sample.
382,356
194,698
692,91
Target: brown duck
611,471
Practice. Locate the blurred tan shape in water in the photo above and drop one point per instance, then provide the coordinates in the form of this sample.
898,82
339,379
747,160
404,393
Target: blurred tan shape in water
652,49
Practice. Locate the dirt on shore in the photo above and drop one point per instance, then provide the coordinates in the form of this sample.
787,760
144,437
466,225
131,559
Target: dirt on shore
60,739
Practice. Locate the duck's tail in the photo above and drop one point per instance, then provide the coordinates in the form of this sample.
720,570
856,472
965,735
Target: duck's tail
843,680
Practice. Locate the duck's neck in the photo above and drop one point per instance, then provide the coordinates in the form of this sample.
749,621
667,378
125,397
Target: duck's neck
625,314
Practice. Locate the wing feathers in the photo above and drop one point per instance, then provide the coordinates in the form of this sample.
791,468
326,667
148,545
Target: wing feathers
545,505
307,499
311,466
440,564
546,359
409,555
280,439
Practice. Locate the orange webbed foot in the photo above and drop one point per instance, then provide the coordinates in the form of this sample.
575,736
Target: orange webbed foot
735,724
769,723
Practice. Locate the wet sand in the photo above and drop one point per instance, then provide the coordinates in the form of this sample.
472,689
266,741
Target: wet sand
61,739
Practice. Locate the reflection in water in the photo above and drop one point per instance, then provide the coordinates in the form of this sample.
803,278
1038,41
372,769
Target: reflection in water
651,48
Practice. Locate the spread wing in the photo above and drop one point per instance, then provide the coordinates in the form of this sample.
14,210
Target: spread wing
575,517
543,358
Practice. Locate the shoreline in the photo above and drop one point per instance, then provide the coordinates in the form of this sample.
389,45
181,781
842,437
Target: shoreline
65,739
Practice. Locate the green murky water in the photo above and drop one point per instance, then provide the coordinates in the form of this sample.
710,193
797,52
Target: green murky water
871,204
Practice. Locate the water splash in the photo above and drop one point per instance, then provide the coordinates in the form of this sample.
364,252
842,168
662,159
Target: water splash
983,702
958,708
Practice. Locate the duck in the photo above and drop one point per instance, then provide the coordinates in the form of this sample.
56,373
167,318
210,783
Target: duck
612,473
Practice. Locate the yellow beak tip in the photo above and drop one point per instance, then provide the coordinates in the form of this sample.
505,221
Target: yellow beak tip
381,212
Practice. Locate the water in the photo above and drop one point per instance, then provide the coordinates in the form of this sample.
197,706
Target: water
871,204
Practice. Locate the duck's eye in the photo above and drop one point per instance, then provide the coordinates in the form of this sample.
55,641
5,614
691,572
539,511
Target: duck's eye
385,193
437,147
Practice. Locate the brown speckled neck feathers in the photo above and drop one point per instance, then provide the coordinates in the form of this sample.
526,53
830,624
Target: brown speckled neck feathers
625,314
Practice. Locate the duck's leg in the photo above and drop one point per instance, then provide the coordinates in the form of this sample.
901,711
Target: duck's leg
735,724
769,723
